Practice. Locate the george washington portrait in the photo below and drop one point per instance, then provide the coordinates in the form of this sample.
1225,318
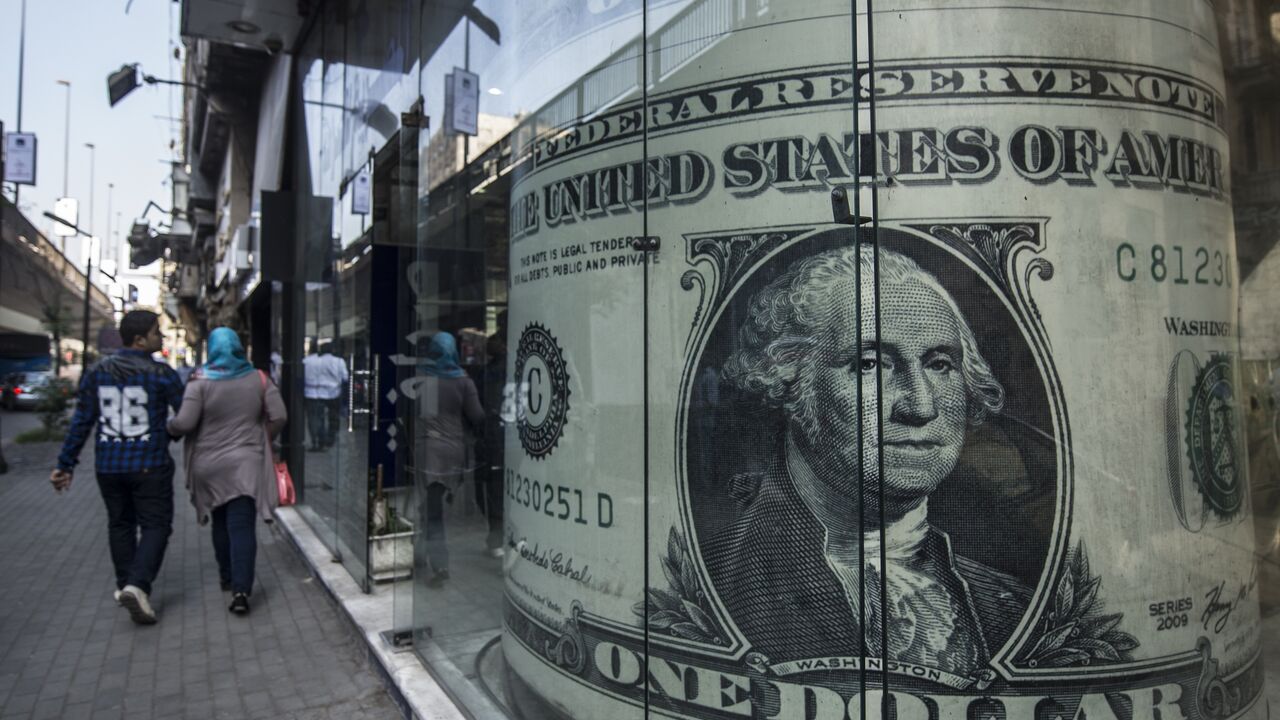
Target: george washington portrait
877,396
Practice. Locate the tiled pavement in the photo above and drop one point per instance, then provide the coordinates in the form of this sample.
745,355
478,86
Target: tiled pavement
67,651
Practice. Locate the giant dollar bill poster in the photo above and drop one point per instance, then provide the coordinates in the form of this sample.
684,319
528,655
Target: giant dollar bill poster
977,456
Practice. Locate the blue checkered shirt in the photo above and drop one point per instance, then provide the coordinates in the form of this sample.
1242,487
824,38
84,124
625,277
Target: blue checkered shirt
126,401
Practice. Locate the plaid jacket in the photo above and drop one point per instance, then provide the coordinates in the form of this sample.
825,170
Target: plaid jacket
127,396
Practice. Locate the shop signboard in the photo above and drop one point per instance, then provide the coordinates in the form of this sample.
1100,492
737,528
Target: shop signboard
361,193
1006,480
464,96
20,158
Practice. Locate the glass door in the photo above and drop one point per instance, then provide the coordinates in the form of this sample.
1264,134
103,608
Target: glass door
393,506
355,272
317,370
528,410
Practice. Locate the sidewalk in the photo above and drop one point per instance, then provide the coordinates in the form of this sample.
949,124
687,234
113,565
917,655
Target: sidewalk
67,651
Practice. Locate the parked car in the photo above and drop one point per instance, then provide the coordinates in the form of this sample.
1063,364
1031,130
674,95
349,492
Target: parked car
22,390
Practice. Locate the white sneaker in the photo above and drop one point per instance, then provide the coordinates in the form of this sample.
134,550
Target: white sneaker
135,601
496,552
116,595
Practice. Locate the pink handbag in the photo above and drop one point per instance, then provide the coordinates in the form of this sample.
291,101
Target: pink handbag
284,481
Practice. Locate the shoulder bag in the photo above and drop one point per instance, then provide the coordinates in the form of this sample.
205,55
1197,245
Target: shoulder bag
284,481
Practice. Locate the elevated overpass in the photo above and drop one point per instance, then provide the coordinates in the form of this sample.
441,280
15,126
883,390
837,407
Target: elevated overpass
38,285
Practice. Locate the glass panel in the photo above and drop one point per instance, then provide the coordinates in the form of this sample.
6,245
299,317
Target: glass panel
813,360
754,403
521,494
1061,454
1251,41
319,124
393,512
351,348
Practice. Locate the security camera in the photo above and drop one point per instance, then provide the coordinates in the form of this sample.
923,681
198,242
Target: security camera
273,44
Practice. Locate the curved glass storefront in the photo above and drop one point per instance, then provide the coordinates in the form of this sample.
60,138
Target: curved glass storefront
823,360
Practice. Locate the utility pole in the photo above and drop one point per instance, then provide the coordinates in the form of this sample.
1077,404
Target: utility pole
88,290
4,466
22,56
92,229
110,243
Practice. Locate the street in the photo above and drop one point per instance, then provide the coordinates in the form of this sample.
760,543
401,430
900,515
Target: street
16,422
67,650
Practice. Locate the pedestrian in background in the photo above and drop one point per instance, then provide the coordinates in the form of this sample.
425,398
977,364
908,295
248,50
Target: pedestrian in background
127,397
450,411
184,371
229,415
323,375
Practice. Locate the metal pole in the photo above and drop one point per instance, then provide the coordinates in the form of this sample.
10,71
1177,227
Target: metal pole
66,142
4,466
84,334
111,243
22,55
92,229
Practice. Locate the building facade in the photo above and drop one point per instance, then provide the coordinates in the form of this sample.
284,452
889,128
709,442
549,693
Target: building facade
745,358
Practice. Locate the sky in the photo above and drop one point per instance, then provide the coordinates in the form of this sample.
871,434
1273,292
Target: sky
83,41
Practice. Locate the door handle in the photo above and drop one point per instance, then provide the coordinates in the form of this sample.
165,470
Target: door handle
354,375
376,390
351,393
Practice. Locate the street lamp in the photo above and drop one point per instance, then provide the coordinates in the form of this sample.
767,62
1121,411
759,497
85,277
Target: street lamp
125,80
88,288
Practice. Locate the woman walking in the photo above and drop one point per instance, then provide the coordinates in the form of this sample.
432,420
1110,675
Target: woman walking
229,414
449,408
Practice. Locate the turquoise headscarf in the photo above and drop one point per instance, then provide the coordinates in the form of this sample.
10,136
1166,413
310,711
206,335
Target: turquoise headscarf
442,357
226,356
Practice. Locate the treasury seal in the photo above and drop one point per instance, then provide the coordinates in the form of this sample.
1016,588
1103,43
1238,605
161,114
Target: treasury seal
1211,439
543,404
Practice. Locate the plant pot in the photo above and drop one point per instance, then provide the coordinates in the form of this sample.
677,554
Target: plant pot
391,556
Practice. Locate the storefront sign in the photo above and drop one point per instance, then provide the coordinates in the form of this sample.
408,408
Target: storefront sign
464,94
978,457
20,158
361,193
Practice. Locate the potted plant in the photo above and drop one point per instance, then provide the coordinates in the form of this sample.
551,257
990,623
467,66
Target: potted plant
390,538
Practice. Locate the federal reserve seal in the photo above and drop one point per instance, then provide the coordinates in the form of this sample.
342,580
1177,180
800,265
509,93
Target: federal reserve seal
544,391
1211,439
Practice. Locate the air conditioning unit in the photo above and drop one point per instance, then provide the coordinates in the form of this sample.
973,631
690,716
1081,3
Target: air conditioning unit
188,281
239,256
244,247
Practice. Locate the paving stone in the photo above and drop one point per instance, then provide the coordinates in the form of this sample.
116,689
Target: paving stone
71,652
79,711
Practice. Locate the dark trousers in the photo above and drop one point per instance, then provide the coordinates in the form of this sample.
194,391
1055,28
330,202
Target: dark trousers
139,522
322,421
489,498
235,542
433,535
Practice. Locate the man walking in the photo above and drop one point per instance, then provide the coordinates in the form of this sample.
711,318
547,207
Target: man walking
323,375
128,396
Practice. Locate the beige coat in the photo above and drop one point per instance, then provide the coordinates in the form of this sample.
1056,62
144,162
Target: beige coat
226,424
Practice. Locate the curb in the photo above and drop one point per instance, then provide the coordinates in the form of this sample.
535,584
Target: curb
413,689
